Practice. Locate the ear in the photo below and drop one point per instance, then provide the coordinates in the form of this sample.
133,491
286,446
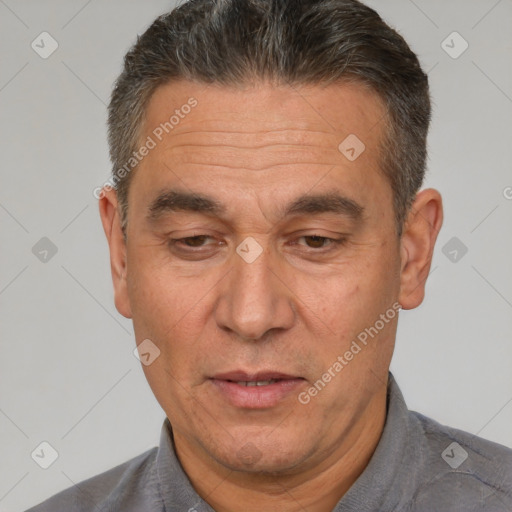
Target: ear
417,246
118,262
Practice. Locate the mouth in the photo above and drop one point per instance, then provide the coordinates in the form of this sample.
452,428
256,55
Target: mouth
260,390
255,382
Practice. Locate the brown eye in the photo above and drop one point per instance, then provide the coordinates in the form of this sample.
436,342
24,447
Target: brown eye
193,241
317,242
190,242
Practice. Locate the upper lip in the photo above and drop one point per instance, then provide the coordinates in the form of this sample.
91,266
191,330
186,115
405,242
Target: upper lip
241,376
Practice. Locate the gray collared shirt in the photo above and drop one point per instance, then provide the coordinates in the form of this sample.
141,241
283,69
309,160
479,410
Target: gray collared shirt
418,466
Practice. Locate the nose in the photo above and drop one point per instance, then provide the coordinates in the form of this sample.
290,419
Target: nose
254,299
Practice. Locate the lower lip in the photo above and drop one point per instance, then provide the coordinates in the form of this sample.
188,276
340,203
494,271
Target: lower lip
256,397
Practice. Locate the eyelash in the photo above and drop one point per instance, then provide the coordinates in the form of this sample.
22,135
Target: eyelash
333,242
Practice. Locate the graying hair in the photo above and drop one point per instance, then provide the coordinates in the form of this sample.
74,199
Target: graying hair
294,42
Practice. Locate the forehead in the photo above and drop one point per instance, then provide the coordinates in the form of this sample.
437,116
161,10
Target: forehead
345,107
261,137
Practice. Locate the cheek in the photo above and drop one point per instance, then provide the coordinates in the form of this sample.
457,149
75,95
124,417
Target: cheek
175,313
356,294
167,311
162,301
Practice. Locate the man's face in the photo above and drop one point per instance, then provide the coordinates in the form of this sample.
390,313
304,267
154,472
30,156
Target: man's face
220,317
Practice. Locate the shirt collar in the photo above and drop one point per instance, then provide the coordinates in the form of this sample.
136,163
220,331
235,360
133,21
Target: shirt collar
175,488
377,488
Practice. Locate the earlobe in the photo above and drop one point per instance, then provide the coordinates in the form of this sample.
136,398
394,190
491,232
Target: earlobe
417,246
110,219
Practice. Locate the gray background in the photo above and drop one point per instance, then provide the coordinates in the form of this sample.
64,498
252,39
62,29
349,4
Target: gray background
67,372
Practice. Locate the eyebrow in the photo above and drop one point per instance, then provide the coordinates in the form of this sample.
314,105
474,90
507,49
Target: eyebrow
172,200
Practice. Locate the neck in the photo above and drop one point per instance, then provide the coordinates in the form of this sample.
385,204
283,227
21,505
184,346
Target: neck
316,488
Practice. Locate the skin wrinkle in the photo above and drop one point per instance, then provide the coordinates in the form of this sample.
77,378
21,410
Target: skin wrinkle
253,146
252,132
317,155
255,169
290,310
256,143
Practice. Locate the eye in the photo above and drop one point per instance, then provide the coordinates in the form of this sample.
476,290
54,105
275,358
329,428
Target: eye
193,241
189,242
319,242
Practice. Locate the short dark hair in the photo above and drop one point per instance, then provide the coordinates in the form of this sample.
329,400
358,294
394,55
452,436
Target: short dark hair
294,42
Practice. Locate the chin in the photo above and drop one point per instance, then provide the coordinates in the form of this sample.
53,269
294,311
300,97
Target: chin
263,458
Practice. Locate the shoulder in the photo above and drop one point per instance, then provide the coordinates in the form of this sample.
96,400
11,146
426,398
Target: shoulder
115,489
462,467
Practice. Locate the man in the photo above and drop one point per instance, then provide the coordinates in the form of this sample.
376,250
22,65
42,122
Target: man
266,225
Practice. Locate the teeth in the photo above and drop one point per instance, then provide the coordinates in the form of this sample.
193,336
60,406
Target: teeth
257,383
